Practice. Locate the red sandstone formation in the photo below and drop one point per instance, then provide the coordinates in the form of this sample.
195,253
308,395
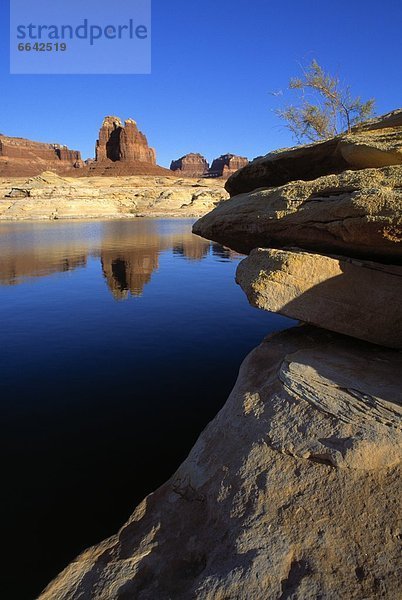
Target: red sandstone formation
190,165
24,158
226,165
118,142
122,150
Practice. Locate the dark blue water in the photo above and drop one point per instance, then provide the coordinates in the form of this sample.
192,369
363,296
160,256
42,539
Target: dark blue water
119,341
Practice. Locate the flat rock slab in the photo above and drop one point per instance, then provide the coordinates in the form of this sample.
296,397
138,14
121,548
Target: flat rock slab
292,491
375,143
356,213
356,298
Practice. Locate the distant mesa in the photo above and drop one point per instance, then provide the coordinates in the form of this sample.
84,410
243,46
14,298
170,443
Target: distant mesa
121,149
20,157
190,165
226,165
195,165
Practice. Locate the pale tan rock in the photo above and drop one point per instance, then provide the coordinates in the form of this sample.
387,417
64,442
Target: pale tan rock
356,213
49,196
373,144
357,298
292,491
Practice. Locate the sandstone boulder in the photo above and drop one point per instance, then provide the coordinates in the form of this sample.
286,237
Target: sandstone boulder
356,213
376,143
292,491
357,298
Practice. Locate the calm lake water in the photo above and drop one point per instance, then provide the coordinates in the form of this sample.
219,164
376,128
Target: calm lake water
119,342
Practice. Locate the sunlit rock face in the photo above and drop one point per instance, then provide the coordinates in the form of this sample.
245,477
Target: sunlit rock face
341,294
50,196
355,213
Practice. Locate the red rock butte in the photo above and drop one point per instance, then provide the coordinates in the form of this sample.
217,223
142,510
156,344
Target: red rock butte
123,150
226,165
195,165
190,165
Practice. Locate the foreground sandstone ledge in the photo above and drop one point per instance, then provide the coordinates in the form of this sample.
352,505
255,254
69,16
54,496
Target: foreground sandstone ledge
354,297
357,213
49,196
375,143
292,491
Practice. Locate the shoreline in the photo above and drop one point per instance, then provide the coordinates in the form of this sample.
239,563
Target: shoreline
49,197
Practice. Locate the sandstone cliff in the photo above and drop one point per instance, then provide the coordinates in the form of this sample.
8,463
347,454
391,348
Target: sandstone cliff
20,157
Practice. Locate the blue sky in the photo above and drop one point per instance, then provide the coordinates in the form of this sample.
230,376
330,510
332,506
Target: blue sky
214,65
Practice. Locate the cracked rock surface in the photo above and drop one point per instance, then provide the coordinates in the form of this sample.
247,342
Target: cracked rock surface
356,213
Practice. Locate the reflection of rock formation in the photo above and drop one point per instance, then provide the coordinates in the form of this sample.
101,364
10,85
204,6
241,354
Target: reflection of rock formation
128,273
14,269
37,252
224,253
130,253
192,249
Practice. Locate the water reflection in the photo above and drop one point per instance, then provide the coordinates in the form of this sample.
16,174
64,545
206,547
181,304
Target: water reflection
128,251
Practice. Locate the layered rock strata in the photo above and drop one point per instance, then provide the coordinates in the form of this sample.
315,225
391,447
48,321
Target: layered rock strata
50,196
355,213
226,165
22,157
376,143
190,165
341,294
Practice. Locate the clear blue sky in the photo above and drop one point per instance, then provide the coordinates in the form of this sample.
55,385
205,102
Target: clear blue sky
214,66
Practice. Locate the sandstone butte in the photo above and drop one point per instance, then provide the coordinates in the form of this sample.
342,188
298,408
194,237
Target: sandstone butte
190,165
120,150
293,490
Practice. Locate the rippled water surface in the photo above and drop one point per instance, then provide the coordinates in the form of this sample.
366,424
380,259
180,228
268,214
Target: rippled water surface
119,341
